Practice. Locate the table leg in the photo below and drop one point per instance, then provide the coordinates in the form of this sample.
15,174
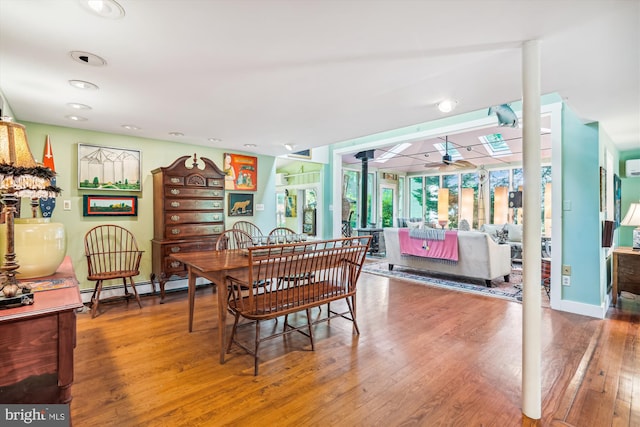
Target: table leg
192,296
222,317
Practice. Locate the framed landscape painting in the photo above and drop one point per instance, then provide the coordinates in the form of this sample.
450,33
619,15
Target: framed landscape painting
107,168
109,205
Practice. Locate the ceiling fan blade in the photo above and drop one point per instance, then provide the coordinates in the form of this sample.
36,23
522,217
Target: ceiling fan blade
463,164
433,165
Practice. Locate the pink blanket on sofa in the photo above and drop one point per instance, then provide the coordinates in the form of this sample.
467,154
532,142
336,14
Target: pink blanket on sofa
446,249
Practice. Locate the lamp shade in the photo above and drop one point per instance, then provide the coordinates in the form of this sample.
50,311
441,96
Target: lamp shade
633,215
633,218
14,149
466,204
500,206
19,173
443,205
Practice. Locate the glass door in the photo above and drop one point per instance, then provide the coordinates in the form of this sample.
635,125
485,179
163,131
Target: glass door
387,205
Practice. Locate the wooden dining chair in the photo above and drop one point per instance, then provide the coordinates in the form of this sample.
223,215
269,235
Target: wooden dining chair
279,235
248,227
112,253
233,239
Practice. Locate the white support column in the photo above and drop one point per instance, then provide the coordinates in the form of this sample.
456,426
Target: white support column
532,226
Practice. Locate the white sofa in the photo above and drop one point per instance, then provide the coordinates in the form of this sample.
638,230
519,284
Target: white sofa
479,257
514,236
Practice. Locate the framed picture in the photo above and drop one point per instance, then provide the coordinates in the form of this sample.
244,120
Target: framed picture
107,168
109,205
241,172
304,154
291,207
603,190
240,204
617,200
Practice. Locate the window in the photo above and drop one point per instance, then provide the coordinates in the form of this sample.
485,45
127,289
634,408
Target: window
416,194
401,196
432,184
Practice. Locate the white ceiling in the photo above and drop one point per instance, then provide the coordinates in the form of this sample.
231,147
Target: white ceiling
312,72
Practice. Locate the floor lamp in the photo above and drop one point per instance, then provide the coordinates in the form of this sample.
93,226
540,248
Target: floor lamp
20,176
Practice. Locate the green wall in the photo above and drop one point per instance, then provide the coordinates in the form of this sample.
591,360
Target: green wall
581,210
155,153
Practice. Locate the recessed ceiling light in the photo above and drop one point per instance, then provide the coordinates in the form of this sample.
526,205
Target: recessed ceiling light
104,8
87,58
131,127
76,118
289,147
215,140
176,133
250,145
447,105
77,106
81,84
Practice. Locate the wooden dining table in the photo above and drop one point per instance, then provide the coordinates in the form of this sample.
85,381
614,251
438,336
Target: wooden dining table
214,266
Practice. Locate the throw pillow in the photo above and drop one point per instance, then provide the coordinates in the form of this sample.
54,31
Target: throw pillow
515,232
490,229
464,225
502,235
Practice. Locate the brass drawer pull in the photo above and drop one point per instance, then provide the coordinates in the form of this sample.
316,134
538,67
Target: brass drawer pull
175,204
175,231
175,191
175,249
175,217
175,264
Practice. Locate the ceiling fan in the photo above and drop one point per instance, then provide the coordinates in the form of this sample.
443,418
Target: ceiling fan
448,163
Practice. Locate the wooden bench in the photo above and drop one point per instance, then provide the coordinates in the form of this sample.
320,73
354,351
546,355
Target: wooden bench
290,278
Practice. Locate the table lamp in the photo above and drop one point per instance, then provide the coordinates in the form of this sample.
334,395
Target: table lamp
20,176
443,207
633,218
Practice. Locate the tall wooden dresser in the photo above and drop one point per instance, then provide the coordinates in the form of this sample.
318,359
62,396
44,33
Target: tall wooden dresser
188,205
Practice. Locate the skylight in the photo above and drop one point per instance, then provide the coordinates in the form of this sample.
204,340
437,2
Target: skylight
455,154
495,145
394,151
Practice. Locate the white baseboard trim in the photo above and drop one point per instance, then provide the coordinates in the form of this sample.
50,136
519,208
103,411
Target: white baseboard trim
143,288
597,311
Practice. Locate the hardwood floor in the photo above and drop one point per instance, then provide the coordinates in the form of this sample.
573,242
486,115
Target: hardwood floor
425,356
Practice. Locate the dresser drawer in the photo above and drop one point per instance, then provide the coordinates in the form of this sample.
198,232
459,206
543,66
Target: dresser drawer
180,180
181,247
215,182
190,217
192,230
172,266
193,192
193,205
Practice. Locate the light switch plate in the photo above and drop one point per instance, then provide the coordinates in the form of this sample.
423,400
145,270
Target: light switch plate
67,205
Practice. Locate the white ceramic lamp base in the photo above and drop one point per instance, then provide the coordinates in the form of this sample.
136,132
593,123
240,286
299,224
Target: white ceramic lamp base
40,246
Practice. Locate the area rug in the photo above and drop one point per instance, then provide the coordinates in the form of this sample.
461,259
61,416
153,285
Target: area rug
499,288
